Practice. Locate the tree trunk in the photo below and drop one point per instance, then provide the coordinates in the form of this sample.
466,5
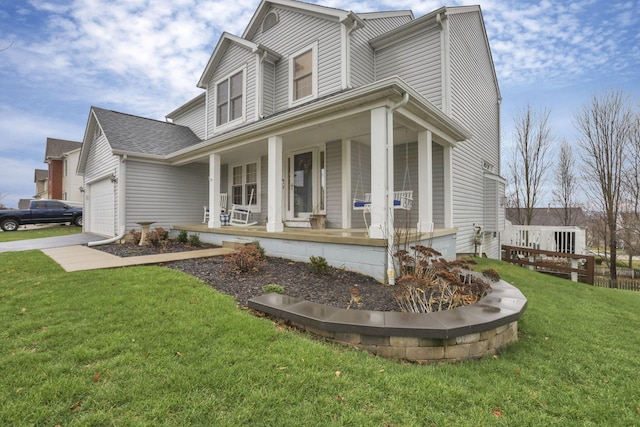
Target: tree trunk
613,242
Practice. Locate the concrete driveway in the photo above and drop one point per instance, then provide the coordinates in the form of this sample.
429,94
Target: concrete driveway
49,242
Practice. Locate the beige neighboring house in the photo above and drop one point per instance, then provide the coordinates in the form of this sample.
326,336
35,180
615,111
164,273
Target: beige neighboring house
62,157
41,179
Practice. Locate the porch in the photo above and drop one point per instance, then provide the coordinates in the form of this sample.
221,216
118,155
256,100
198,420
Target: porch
351,249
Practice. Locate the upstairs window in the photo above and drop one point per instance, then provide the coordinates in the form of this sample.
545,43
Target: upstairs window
303,71
230,99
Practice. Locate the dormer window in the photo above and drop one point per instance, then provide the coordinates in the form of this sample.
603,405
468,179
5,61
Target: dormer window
269,21
230,99
303,75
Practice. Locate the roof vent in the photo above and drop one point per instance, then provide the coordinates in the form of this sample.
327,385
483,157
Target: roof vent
269,21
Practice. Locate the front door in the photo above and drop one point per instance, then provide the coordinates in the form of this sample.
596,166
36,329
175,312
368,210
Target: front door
306,174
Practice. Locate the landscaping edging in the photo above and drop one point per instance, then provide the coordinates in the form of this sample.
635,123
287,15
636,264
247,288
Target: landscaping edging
468,332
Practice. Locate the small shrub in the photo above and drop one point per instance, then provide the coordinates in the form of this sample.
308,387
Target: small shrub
318,264
491,274
245,258
158,236
272,288
598,260
135,236
256,243
183,236
194,240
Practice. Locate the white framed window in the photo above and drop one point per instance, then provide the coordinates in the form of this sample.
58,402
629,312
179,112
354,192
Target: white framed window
230,99
303,75
244,180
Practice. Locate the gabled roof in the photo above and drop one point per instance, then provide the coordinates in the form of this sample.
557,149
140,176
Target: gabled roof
57,148
227,39
323,11
550,217
40,175
133,134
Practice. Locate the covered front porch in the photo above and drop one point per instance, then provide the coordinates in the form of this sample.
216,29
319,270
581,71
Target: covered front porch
345,158
342,248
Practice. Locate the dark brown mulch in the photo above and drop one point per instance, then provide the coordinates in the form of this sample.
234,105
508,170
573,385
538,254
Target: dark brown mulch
337,288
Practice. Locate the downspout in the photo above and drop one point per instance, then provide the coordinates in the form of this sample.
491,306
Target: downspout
391,274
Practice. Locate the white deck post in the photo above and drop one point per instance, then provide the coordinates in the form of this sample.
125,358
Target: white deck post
379,177
448,186
275,184
425,179
214,191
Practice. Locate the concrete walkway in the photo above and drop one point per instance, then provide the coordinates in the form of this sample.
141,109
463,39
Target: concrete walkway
49,242
79,258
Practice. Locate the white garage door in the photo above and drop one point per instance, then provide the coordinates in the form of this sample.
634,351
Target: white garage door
101,208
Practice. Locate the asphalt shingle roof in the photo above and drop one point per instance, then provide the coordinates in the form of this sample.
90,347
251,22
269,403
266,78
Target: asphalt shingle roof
549,216
141,135
40,175
56,148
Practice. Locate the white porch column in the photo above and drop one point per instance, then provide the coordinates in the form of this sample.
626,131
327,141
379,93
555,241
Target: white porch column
448,186
214,191
274,186
347,198
379,176
425,179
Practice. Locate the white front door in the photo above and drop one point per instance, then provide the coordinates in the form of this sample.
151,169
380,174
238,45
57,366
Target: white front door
307,183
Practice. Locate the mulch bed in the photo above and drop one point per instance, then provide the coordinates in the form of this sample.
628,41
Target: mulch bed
338,288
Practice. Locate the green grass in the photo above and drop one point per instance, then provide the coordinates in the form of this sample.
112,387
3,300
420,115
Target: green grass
149,346
37,233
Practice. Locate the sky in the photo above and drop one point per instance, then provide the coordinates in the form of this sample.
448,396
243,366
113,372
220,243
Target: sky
144,57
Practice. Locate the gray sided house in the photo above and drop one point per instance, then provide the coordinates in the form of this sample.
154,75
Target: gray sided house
377,122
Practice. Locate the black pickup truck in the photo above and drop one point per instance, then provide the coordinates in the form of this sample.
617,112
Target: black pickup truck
41,212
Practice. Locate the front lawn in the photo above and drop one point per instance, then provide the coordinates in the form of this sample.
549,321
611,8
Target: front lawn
153,346
39,232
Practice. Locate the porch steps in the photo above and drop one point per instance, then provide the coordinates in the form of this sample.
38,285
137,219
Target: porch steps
236,243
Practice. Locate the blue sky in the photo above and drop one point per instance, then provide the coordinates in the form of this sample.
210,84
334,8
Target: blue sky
144,57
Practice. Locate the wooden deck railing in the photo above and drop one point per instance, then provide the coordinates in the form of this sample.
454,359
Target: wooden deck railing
552,262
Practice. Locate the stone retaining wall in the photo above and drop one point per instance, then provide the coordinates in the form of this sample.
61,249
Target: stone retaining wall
469,332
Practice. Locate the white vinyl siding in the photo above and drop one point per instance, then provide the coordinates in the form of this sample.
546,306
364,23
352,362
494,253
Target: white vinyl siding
362,56
193,119
295,31
268,88
405,177
100,165
360,178
165,194
234,59
417,61
474,103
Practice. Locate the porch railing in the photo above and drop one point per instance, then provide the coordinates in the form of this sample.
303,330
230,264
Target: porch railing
556,239
577,267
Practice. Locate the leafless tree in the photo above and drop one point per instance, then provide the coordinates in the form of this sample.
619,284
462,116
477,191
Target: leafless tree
605,126
530,162
631,189
564,194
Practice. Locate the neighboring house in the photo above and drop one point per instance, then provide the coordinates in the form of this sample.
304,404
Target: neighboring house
550,217
24,203
62,157
310,108
41,179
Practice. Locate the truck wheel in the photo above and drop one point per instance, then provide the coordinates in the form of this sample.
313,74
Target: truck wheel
10,224
77,221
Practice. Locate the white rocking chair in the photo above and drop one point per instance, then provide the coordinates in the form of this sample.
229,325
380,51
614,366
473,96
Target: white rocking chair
241,214
223,208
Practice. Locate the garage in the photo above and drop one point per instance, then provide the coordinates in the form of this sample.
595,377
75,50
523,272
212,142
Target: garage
101,202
